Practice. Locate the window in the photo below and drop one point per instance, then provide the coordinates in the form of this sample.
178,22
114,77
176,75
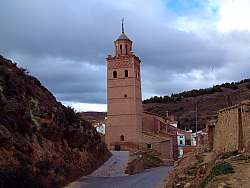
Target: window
121,48
121,138
125,96
126,49
181,142
114,74
149,146
126,73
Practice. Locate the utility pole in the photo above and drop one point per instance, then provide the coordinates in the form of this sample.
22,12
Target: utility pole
196,122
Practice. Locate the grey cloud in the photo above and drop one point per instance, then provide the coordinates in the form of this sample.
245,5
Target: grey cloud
64,43
180,51
68,80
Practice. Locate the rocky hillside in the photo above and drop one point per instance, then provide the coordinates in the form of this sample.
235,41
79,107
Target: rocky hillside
94,116
42,142
209,101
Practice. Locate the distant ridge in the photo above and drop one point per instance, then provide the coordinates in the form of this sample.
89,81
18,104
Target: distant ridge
209,101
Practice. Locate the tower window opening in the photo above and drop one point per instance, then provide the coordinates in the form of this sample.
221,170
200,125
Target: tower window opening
126,49
125,96
121,48
122,138
126,73
149,146
114,74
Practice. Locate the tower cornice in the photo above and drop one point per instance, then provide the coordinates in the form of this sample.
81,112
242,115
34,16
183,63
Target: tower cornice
110,57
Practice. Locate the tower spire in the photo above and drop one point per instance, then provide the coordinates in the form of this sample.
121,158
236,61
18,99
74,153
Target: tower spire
122,25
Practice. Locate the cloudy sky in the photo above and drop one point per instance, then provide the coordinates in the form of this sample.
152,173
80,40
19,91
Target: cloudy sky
183,44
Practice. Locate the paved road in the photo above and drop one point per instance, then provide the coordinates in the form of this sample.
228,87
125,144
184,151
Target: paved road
115,166
148,179
111,175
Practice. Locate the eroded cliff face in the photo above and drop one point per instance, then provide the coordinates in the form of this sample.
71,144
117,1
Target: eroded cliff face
42,142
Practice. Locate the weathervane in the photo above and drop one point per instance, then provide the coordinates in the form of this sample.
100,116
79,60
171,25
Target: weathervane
122,25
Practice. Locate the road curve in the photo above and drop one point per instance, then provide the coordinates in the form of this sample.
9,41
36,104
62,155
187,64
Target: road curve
150,178
111,175
115,166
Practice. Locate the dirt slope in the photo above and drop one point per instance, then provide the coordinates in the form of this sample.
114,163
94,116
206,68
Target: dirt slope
42,143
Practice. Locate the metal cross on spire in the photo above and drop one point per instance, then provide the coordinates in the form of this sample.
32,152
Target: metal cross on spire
122,25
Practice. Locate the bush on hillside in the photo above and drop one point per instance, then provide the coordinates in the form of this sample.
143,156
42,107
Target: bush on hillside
71,115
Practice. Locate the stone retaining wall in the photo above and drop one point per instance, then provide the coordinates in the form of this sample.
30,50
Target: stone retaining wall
232,131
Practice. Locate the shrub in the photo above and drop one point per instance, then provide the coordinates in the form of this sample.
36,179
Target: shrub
71,115
229,154
219,169
222,168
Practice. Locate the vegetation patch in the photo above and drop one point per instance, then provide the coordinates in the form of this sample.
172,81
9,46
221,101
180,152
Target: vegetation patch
194,169
226,155
222,168
219,169
151,161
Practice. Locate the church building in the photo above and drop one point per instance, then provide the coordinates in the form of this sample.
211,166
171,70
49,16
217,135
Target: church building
125,114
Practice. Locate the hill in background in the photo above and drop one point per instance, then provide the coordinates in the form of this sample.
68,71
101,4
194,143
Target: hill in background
94,116
183,105
208,101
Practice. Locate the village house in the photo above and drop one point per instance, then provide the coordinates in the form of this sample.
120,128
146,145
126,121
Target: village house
184,142
127,125
180,139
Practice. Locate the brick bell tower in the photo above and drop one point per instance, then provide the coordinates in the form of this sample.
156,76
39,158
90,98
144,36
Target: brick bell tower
124,123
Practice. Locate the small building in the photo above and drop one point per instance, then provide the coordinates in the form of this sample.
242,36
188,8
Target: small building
184,141
157,127
159,143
